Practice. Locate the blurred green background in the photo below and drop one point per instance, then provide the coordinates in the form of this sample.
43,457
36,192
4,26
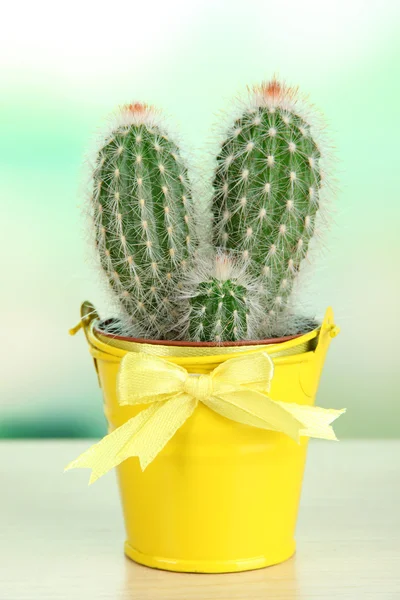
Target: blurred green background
65,67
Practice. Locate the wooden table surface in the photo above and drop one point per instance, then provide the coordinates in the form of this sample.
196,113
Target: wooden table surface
60,539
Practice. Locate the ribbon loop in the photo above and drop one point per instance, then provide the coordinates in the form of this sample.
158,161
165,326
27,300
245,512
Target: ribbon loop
236,389
143,378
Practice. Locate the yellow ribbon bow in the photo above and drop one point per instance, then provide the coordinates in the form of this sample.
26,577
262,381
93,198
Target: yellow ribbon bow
236,389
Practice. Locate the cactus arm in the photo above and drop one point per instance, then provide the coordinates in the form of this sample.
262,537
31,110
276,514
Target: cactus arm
267,184
142,211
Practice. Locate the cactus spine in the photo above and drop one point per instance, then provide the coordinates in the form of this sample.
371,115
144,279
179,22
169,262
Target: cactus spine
222,303
267,190
141,204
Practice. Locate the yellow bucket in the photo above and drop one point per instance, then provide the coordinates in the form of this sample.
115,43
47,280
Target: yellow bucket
221,496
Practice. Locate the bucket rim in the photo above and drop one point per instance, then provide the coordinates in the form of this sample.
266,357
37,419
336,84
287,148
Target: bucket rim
103,347
186,344
300,347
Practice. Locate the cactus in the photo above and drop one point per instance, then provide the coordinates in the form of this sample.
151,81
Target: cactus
221,303
267,190
267,193
141,207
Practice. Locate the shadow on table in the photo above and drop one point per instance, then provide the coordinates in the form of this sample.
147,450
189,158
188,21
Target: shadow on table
277,582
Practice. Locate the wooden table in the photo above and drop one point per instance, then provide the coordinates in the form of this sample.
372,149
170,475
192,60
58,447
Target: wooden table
60,539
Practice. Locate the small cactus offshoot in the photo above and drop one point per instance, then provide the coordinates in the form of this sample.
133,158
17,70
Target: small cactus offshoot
141,205
267,189
222,303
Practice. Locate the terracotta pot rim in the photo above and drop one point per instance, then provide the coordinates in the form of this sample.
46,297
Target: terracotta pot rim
184,344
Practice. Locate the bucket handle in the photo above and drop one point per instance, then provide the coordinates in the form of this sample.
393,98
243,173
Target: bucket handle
88,314
310,371
328,330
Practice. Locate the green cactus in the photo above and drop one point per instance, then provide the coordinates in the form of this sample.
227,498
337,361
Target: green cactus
222,304
267,190
141,206
267,193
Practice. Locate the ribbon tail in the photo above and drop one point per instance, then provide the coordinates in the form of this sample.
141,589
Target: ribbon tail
104,456
250,407
316,420
157,432
144,436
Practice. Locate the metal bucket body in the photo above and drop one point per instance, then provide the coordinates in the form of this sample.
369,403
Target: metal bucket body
221,496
